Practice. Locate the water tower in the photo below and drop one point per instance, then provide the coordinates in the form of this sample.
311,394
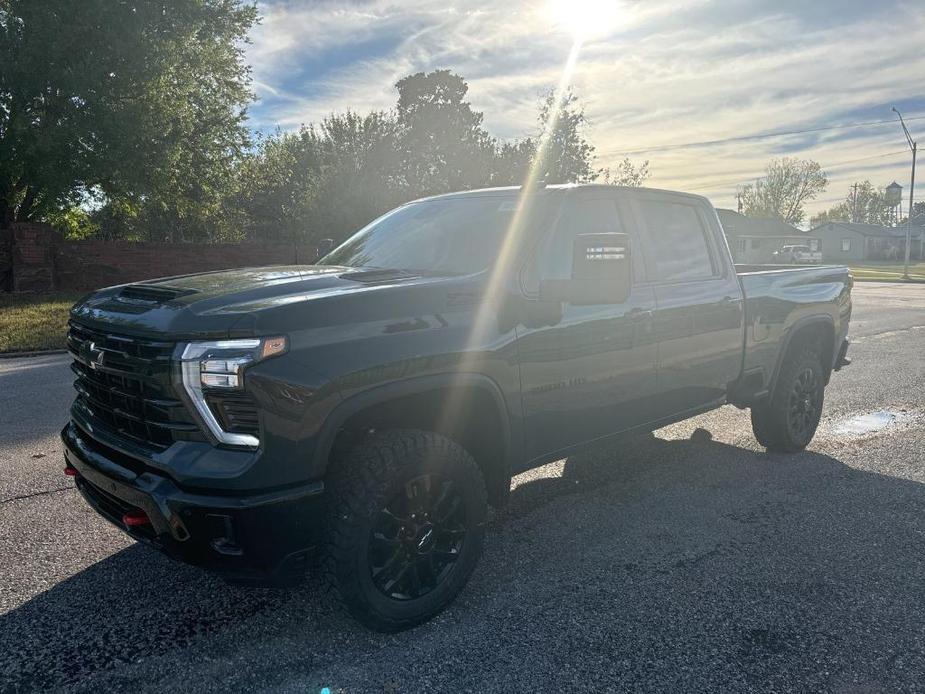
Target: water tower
893,195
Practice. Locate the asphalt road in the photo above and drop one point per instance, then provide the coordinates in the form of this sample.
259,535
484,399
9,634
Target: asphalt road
687,561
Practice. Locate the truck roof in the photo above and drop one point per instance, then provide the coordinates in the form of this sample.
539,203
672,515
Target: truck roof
503,191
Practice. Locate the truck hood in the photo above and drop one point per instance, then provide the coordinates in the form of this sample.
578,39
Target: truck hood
226,303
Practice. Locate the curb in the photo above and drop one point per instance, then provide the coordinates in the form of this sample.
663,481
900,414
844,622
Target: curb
889,281
36,353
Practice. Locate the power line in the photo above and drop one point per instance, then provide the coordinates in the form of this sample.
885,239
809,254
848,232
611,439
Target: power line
758,136
751,178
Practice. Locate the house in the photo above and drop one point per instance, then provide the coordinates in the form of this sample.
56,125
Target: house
847,241
753,241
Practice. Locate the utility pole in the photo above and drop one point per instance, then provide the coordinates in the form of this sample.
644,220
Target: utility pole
913,145
854,204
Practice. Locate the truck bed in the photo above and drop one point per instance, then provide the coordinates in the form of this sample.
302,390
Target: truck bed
780,297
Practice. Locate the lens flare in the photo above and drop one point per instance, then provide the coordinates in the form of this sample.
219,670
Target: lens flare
584,19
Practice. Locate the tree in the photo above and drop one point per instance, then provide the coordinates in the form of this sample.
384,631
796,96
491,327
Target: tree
330,179
275,188
864,204
627,174
512,162
788,184
140,101
324,181
360,171
442,142
567,156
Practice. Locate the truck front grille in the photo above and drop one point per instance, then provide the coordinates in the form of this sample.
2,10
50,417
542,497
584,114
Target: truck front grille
124,385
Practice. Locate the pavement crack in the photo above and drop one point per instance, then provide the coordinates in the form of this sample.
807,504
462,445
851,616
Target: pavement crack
34,494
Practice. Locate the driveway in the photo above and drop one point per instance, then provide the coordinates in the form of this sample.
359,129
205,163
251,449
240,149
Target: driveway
687,560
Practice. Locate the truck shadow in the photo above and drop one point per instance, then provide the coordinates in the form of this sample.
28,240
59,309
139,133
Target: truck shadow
648,510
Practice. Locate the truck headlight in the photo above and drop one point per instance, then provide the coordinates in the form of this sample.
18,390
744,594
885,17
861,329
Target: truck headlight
220,365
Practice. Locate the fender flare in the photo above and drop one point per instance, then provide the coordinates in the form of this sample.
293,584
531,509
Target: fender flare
378,395
814,319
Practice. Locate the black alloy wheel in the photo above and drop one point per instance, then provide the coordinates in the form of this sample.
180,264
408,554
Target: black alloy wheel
787,422
405,525
804,404
417,538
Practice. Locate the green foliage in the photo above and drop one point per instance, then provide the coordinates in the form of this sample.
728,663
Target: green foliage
567,155
788,184
864,204
143,100
127,121
275,187
323,181
627,174
74,223
512,162
442,143
328,180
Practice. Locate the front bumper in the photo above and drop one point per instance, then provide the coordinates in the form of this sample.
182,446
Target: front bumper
254,537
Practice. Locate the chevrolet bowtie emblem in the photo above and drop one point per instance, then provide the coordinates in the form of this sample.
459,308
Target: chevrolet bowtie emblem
95,355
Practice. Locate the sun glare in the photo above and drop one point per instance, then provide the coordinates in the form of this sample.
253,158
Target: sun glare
583,18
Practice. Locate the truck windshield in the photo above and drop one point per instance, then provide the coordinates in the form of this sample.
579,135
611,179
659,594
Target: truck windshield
445,236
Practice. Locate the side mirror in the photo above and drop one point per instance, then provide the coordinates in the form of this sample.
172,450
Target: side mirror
601,272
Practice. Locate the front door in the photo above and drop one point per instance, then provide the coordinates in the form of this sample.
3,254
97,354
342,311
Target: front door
586,371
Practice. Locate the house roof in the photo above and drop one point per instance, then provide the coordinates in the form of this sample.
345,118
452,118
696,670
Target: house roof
868,229
736,224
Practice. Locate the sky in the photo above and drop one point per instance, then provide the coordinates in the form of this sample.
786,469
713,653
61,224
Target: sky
655,77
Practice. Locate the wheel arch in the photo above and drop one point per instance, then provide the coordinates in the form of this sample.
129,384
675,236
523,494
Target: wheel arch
818,328
467,408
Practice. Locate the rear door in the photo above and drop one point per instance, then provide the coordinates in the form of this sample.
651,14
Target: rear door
699,317
586,371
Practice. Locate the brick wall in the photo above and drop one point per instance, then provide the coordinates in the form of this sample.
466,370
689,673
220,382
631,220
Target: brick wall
33,248
6,260
40,261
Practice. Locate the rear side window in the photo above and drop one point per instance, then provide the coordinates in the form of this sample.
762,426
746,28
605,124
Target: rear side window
677,241
578,215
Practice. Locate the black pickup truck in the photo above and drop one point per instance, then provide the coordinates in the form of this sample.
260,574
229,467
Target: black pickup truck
371,406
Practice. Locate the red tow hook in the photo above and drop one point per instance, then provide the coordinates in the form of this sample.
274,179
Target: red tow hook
70,471
136,518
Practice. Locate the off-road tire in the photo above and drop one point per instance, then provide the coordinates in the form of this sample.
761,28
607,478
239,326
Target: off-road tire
774,422
360,486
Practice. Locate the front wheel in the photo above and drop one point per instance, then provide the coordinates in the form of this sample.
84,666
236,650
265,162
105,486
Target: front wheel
788,422
405,527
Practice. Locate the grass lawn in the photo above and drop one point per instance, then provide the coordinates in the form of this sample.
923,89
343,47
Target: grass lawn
33,321
886,271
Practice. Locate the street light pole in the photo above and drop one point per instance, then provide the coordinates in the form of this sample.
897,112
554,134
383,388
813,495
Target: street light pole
913,145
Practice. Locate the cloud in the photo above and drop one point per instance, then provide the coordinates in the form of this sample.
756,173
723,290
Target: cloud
668,73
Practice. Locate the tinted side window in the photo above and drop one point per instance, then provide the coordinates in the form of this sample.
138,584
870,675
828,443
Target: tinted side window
676,240
579,215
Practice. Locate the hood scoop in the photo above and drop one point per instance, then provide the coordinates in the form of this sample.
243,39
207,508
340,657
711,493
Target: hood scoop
151,294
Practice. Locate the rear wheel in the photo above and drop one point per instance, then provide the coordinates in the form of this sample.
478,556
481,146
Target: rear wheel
405,527
788,422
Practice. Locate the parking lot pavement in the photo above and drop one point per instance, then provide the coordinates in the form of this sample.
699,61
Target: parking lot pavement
687,560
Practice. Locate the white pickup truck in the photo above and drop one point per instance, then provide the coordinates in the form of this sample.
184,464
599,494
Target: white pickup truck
798,255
